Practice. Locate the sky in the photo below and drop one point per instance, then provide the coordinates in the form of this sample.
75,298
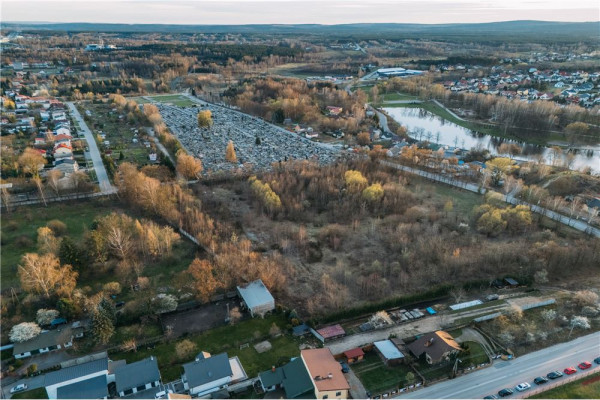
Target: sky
228,12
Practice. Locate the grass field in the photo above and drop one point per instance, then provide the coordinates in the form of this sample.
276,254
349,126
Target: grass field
376,377
19,229
176,99
585,388
39,393
226,339
476,355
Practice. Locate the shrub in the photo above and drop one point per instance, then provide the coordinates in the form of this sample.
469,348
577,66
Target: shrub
58,227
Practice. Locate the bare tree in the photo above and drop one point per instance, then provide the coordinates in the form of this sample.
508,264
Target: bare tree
38,182
52,179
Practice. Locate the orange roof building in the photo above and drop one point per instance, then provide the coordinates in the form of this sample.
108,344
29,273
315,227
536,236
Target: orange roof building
325,373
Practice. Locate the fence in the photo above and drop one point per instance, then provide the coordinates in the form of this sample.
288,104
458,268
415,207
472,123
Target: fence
538,304
561,382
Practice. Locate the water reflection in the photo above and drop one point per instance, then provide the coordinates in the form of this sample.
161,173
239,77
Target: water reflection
423,125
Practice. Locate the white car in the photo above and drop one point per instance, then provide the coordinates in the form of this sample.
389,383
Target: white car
19,388
163,394
521,387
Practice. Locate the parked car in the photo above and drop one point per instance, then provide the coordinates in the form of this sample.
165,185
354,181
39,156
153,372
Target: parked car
584,365
505,392
19,388
554,375
345,367
570,370
521,387
490,397
119,304
163,394
540,380
597,360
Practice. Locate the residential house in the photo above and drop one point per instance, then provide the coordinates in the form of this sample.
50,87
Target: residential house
46,341
435,346
63,150
39,141
389,352
66,166
325,373
93,388
207,374
62,130
61,381
137,376
293,378
257,298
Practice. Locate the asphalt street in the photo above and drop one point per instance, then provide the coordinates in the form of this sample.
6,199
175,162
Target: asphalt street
508,374
103,181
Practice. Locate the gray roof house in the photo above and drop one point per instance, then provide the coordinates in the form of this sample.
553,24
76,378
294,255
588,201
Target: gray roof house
94,388
77,373
257,298
137,376
292,377
46,341
207,374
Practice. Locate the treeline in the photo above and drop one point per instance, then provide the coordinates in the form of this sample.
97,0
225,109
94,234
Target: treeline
277,100
215,52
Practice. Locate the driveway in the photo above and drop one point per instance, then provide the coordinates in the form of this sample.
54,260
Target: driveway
357,390
103,181
32,383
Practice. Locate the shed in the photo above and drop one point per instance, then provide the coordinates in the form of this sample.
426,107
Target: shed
329,332
300,330
389,352
511,282
257,298
354,355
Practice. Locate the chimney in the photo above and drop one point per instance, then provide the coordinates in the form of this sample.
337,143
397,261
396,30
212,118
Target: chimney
273,368
330,376
318,378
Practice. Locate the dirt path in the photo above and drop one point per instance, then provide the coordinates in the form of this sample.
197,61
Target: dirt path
420,326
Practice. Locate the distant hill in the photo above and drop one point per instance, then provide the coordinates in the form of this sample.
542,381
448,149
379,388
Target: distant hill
494,30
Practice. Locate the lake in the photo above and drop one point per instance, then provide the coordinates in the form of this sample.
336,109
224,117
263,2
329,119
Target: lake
423,125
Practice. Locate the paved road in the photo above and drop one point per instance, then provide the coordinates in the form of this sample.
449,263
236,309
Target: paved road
32,383
576,224
103,181
508,374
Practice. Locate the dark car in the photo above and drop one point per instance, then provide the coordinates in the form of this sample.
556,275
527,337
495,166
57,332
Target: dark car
554,375
540,380
491,396
345,367
597,360
505,392
119,304
585,365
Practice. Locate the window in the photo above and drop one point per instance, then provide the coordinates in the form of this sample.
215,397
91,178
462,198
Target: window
128,391
338,393
140,388
325,396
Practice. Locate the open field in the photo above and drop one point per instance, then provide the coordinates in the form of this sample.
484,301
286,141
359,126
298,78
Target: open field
178,100
585,388
19,229
376,377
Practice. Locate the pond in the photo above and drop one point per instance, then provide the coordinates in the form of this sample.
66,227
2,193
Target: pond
424,125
